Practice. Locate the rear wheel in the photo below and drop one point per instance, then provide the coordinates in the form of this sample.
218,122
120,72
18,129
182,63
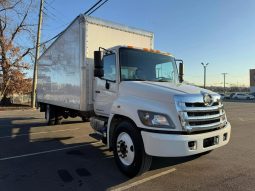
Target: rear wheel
85,119
129,151
50,115
58,120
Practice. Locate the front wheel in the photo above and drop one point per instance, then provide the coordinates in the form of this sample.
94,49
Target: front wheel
129,151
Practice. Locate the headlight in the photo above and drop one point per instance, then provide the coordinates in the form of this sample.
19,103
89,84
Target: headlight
152,119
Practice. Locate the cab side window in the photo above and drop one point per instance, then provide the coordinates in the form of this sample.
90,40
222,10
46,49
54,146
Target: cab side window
109,67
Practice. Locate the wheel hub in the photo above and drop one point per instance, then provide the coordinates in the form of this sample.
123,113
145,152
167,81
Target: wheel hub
125,148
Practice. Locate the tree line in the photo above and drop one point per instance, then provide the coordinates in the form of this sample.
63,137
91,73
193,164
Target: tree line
17,39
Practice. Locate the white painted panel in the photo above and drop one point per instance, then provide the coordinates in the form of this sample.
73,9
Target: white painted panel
107,36
59,70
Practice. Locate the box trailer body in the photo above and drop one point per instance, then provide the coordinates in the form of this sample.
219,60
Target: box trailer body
133,95
66,68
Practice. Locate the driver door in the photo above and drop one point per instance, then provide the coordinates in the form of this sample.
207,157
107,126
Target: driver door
105,88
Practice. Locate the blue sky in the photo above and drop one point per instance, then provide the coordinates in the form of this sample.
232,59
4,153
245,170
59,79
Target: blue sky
221,32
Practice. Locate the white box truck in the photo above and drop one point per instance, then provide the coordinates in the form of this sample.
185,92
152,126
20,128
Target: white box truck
132,94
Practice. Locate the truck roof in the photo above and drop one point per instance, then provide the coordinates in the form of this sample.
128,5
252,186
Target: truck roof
122,27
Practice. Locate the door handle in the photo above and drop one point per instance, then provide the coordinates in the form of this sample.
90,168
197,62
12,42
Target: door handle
97,91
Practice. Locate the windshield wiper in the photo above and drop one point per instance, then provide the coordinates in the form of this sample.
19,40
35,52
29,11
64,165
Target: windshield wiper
133,80
162,79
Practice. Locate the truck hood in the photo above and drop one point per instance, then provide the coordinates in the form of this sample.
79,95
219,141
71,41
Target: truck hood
157,90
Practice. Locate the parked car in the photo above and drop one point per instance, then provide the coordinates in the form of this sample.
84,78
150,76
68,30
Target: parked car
227,97
231,95
222,96
242,96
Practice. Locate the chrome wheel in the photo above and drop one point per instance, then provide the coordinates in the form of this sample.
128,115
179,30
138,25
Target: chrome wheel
129,151
125,149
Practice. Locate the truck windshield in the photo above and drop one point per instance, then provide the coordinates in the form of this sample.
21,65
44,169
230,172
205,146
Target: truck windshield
139,65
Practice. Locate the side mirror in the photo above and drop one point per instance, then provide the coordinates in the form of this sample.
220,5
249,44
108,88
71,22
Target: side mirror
181,72
98,64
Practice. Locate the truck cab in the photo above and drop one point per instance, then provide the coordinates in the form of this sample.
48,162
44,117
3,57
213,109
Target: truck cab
143,109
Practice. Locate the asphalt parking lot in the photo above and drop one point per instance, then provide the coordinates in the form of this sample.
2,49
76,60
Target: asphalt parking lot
34,156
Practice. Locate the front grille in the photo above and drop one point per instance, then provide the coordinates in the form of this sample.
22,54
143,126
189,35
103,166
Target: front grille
208,113
197,104
196,116
204,122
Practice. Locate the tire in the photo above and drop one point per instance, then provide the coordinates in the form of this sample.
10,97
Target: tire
85,119
128,150
50,115
104,140
58,120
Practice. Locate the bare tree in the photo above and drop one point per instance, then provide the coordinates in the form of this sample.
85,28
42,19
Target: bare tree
16,37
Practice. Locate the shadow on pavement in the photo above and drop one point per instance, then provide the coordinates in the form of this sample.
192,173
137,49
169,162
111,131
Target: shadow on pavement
49,163
162,162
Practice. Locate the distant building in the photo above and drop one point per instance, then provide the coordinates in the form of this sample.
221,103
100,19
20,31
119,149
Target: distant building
252,80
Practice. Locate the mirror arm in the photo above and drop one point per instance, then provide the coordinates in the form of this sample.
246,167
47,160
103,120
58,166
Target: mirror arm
107,51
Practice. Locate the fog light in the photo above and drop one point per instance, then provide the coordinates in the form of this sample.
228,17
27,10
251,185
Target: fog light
192,145
225,136
216,140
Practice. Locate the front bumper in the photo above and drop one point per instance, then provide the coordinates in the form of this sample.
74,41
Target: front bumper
169,145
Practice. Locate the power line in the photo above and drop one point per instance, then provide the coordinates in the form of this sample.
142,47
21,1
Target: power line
45,42
92,7
49,6
98,7
50,2
52,15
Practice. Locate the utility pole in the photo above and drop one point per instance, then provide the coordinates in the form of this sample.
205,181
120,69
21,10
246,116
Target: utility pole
37,52
204,65
224,76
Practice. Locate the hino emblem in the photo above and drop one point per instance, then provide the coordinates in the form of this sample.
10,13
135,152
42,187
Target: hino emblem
208,100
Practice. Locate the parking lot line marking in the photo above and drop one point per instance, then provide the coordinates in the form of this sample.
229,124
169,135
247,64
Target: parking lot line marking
48,151
109,157
136,183
41,132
